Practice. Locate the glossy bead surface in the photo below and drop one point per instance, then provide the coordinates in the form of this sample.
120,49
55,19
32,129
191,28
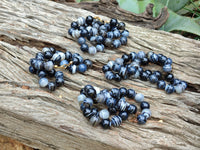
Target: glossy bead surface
88,102
167,68
117,77
119,61
131,109
91,92
48,55
116,67
144,105
169,89
123,115
82,68
115,92
51,86
59,74
116,121
48,66
168,61
81,21
121,105
105,123
87,112
108,42
123,92
72,69
88,63
39,64
89,20
116,43
146,112
144,61
141,55
153,78
81,40
68,55
139,97
121,26
59,81
179,88
95,120
81,98
32,69
125,33
111,102
104,114
100,47
116,33
92,50
162,59
144,76
74,25
161,84
154,58
131,93
131,70
113,22
109,75
42,74
158,74
105,68
43,82
169,77
141,119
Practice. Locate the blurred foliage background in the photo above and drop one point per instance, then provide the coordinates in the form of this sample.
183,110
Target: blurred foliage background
184,15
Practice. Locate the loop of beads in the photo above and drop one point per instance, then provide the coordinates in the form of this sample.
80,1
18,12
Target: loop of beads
45,62
116,104
100,34
129,66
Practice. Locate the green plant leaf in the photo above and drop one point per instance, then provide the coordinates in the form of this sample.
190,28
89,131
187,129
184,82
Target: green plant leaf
188,7
179,23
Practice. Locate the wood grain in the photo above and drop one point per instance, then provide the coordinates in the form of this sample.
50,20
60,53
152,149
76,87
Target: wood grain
46,120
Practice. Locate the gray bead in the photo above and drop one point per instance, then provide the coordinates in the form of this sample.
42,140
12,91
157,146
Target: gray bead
88,28
73,69
56,57
116,43
123,72
138,61
100,98
116,33
62,55
139,97
100,48
167,68
110,64
149,54
88,102
116,121
93,31
119,61
110,35
102,33
104,114
39,64
43,82
146,112
179,88
81,40
125,33
48,66
93,40
81,21
136,75
45,49
95,120
122,104
141,55
109,75
76,33
135,64
92,50
96,25
81,98
108,42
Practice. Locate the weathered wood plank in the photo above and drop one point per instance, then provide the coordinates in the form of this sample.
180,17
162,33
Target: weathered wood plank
53,120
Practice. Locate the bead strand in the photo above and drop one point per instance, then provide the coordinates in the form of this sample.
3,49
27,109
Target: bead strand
98,33
129,66
117,107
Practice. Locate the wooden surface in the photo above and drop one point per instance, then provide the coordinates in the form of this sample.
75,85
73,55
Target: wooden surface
46,120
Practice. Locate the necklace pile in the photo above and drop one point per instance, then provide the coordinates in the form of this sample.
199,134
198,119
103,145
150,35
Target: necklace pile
99,33
117,108
129,66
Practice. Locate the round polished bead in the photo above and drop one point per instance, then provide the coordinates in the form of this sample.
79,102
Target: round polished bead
81,98
125,58
113,22
139,97
161,84
91,92
119,61
133,56
95,25
94,111
51,86
46,49
116,33
39,65
144,105
62,55
93,31
149,72
123,92
64,62
72,69
144,61
82,68
116,67
70,31
81,21
99,39
59,74
109,75
108,42
123,115
76,33
92,50
51,73
84,33
116,43
141,55
81,40
116,121
125,33
111,102
89,20
56,58
100,47
86,112
154,58
48,54
169,77
131,109
184,84
105,68
158,74
40,56
104,114
141,119
43,82
149,54
121,25
131,70
115,93
146,112
74,25
48,66
167,68
32,69
112,110
162,59
121,105
179,88
131,93
105,123
42,74
88,102
95,120
110,35
88,63
59,81
123,40
169,89
87,87
144,76
110,64
84,47
168,61
68,55
123,72
153,78
136,75
117,77
175,82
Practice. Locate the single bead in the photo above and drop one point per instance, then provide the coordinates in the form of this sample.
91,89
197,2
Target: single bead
81,40
74,25
123,72
112,110
119,61
123,115
72,69
62,55
116,33
125,58
88,63
56,58
48,55
88,102
104,114
51,86
89,113
51,73
82,68
100,98
82,107
84,33
32,61
81,21
144,76
59,74
123,92
39,65
32,70
95,25
121,25
144,105
91,92
76,33
40,56
48,66
64,62
149,72
106,95
144,61
115,93
113,22
153,78
140,69
109,75
169,77
116,43
136,75
100,47
167,68
95,120
179,88
107,26
93,40
158,74
102,32
154,58
141,55
105,68
149,54
59,81
108,42
68,55
93,31
117,77
92,50
139,97
133,56
89,20
45,49
125,33
81,98
161,84
99,39
131,109
184,84
175,82
86,112
121,105
110,35
131,70
111,102
42,74
84,47
87,87
53,50
43,82
105,123
116,67
162,59
146,112
141,119
131,93
169,89
116,121
70,31
168,61
81,27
